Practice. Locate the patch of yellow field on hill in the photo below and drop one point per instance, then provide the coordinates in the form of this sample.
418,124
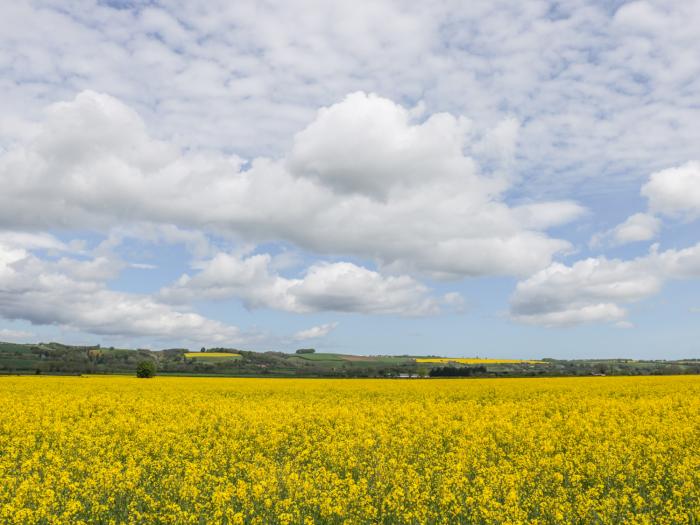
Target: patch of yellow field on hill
185,450
474,360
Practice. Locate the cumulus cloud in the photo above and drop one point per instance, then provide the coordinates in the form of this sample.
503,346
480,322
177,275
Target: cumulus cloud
636,228
345,287
369,145
248,75
340,287
72,293
363,179
481,107
315,332
593,290
675,191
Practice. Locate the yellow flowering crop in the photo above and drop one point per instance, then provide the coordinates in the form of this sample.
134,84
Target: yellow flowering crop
114,450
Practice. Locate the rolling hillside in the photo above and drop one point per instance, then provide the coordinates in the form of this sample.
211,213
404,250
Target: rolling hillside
57,358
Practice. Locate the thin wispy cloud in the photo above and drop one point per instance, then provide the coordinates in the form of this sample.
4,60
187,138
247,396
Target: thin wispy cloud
315,332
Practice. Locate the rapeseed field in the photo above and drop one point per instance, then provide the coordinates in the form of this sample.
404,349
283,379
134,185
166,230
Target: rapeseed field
114,450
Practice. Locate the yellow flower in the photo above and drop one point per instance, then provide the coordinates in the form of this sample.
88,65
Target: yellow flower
117,450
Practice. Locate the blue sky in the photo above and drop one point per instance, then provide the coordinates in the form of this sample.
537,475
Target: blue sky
514,179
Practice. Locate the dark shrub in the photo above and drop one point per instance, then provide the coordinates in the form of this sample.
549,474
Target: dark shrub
146,369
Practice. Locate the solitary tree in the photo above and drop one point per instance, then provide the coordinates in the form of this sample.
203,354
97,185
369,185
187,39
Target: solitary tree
146,369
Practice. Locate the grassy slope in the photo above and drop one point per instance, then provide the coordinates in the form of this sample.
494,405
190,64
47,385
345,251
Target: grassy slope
364,359
320,357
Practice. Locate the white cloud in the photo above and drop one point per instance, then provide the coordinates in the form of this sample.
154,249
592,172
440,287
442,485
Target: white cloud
339,287
593,289
345,287
368,145
675,191
71,293
33,241
315,332
455,301
245,76
576,314
636,228
365,181
143,266
419,191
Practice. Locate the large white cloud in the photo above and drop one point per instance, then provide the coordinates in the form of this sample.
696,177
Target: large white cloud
371,146
71,293
364,180
346,287
594,289
340,287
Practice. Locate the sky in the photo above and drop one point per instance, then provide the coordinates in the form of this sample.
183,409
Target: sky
487,178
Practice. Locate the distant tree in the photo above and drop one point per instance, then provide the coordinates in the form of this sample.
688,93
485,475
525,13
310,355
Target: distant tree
306,351
457,371
220,350
600,369
146,369
203,349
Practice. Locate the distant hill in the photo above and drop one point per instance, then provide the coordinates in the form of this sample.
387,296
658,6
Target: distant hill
57,358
